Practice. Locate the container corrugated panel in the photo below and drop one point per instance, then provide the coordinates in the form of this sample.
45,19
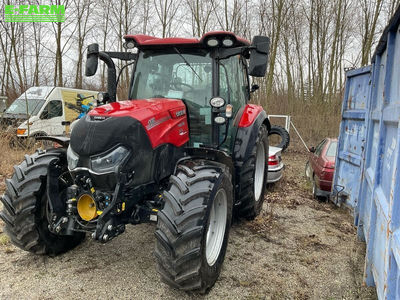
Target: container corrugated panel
351,144
368,161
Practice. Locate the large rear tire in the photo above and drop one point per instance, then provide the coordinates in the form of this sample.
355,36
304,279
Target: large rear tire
253,178
25,211
193,227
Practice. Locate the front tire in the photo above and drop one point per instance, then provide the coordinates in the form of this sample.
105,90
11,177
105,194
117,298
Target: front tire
253,178
193,227
25,207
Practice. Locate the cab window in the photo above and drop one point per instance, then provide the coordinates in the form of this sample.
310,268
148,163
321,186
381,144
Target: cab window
233,87
319,148
184,74
53,109
331,152
232,81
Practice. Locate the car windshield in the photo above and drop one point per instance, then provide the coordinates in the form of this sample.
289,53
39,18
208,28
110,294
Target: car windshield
180,74
19,106
331,152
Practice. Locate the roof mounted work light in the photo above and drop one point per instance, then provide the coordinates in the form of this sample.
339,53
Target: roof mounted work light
227,42
212,42
129,44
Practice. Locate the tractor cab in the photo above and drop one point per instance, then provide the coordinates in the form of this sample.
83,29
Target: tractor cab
210,75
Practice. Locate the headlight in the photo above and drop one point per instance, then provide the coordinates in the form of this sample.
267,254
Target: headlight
72,159
106,163
217,102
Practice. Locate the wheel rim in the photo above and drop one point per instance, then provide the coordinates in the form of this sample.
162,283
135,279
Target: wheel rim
216,228
314,188
308,171
260,170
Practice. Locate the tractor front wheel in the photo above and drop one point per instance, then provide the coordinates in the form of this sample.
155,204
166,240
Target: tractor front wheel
193,227
25,211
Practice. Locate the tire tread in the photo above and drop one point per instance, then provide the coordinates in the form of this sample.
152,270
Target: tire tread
22,206
179,231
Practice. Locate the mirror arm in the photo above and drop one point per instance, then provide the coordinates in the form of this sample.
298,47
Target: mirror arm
228,52
122,55
111,75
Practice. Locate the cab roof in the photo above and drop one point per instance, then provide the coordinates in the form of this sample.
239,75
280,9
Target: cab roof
147,41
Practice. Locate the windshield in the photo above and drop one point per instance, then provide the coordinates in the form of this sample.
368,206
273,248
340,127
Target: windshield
19,106
331,152
181,74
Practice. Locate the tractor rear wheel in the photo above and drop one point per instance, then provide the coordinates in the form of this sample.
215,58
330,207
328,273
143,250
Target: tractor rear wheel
193,227
25,211
253,178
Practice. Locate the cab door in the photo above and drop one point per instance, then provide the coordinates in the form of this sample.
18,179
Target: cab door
51,118
234,88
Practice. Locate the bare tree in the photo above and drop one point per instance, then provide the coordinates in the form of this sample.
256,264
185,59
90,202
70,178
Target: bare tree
370,14
278,14
166,11
200,12
83,11
68,28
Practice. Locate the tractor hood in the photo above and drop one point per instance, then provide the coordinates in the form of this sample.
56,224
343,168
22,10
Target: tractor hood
142,110
139,124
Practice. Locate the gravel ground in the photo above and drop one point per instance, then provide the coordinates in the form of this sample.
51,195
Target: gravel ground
298,248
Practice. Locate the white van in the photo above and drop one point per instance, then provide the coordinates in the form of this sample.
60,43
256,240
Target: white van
46,110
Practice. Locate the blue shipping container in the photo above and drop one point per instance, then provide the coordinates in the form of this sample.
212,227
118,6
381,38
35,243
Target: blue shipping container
366,172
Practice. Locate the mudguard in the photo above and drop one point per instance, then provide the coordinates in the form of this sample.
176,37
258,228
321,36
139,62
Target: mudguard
61,140
248,125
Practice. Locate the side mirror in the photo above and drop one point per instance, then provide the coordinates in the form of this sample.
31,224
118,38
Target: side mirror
312,149
254,88
259,56
92,59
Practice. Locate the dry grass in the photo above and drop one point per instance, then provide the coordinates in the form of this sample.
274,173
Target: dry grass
10,156
314,120
4,239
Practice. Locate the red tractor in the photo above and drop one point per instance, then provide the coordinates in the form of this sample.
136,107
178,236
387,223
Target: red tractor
185,150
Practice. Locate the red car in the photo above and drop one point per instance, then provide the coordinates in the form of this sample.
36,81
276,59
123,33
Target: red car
321,166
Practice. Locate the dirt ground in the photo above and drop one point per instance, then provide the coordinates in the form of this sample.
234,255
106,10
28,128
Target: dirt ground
298,248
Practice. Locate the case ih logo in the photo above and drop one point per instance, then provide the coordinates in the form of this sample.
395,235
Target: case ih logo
34,13
153,122
180,113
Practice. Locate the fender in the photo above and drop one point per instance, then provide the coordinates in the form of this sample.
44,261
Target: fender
249,115
61,140
212,155
251,119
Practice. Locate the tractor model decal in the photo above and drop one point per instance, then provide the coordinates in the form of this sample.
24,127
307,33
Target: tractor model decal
153,122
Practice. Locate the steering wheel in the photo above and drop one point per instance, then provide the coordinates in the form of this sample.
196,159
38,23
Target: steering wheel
176,84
